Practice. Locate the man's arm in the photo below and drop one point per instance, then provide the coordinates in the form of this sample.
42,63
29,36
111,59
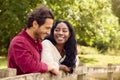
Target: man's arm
25,59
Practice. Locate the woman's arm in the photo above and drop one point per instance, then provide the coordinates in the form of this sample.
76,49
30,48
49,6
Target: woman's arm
47,55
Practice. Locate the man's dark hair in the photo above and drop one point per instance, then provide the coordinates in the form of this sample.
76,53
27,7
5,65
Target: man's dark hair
39,14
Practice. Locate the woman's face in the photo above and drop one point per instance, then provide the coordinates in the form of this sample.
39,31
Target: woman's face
61,33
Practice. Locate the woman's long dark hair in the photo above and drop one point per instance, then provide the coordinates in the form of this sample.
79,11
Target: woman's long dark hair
70,45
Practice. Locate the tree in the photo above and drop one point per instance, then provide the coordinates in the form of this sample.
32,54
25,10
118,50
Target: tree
116,8
12,18
93,21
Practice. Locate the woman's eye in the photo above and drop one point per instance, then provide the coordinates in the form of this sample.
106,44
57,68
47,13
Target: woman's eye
56,30
61,30
65,30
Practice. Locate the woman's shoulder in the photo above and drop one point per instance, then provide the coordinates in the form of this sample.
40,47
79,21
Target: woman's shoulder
46,42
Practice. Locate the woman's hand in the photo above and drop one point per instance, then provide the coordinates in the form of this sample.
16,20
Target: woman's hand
64,68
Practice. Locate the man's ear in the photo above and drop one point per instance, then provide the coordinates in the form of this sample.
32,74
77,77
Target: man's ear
35,24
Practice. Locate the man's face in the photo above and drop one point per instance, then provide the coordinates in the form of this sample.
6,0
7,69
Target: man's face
44,30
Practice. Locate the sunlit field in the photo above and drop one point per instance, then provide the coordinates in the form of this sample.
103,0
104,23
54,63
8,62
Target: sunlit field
88,60
99,59
3,62
87,55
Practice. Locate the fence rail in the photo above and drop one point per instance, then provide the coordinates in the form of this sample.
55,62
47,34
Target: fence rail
110,72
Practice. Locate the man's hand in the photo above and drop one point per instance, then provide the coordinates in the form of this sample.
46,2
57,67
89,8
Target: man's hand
53,70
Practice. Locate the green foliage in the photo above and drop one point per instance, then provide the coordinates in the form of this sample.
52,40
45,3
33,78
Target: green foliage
12,19
88,50
116,8
98,25
93,21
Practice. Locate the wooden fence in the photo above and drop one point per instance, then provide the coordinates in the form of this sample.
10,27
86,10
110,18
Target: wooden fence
110,72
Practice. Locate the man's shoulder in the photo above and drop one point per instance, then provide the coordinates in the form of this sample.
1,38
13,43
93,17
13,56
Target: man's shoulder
18,40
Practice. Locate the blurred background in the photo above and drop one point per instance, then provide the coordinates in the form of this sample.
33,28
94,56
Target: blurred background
96,23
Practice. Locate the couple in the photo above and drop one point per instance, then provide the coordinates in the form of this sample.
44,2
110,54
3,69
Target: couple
56,52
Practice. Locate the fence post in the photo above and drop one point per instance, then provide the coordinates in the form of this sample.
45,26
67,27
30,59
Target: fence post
82,74
7,72
110,72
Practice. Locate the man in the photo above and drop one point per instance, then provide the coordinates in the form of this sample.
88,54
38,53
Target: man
24,52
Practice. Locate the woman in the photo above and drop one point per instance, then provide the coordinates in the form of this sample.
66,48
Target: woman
59,48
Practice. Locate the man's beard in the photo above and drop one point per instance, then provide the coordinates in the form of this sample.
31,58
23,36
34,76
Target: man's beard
36,34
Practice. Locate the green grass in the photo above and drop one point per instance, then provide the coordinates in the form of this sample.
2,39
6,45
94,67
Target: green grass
99,59
3,62
91,56
88,60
